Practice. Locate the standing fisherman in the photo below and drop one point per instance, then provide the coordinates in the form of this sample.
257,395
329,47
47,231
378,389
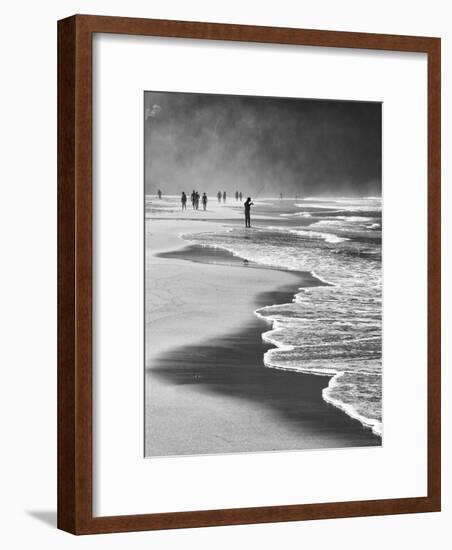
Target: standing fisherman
219,196
224,196
159,193
240,196
236,195
248,205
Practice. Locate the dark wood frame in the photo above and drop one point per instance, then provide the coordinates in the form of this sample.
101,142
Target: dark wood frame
75,273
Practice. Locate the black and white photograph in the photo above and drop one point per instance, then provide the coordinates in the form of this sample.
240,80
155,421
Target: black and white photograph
224,260
263,276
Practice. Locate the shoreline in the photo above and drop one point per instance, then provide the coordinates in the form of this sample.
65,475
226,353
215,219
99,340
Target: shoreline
213,394
203,254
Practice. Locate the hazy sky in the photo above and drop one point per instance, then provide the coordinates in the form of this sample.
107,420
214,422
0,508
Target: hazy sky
262,146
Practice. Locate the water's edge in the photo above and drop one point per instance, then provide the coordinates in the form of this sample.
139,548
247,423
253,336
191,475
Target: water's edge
368,423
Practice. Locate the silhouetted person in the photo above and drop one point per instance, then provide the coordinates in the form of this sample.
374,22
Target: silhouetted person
183,200
204,201
196,200
236,195
159,193
193,199
240,196
219,196
248,205
224,196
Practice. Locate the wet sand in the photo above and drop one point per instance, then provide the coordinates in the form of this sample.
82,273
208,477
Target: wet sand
207,389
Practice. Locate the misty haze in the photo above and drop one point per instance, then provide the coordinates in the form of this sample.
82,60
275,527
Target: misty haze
266,145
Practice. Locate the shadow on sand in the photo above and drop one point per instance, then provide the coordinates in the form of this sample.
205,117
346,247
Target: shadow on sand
233,366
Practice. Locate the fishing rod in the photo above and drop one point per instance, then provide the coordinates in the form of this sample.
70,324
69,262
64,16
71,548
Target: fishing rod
260,189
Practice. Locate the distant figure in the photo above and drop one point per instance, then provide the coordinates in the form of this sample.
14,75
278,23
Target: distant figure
196,200
159,194
219,196
280,195
248,205
183,200
236,195
240,196
204,201
224,196
193,199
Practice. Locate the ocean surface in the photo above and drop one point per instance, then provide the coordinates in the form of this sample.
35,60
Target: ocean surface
335,328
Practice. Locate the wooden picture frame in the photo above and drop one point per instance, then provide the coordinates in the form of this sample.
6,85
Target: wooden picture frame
75,225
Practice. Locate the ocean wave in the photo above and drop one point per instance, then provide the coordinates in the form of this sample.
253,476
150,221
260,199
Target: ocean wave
346,386
297,214
316,206
339,219
327,237
329,395
333,329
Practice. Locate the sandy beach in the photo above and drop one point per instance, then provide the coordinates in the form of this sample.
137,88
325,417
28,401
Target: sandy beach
207,389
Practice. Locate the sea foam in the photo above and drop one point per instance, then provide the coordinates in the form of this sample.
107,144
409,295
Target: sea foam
333,329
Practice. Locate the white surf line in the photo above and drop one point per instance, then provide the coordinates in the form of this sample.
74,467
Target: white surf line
375,425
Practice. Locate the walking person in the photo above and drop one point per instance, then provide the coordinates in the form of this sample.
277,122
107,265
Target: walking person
193,199
240,196
248,205
236,195
219,196
224,196
196,200
183,200
204,201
